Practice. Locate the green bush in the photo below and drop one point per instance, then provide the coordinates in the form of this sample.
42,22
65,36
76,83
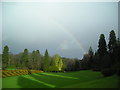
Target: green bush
118,72
108,72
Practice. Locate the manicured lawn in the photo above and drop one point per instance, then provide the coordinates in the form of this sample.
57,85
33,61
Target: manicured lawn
80,79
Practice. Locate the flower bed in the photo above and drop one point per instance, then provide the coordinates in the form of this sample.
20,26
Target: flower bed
9,73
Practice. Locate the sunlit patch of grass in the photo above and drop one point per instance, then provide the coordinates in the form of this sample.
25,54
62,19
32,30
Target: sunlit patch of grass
41,82
59,76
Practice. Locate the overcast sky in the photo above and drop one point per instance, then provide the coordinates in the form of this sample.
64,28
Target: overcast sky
68,29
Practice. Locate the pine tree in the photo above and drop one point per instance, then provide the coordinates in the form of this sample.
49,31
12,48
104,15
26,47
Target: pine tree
25,58
112,46
112,41
33,57
46,61
5,57
118,57
102,50
38,59
91,54
90,51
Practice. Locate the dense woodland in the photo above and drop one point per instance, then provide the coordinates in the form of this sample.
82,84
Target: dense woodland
105,59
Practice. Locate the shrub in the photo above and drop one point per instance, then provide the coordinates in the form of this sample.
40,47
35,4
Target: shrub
118,72
96,69
108,72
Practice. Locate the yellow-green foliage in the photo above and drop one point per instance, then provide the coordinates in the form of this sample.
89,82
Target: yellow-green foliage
60,65
57,64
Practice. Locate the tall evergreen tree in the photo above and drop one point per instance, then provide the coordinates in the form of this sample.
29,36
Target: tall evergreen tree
25,58
46,61
38,59
33,61
90,51
96,62
112,41
112,46
118,56
5,57
102,50
91,54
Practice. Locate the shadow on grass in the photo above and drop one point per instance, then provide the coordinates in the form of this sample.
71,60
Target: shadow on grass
30,83
56,81
62,80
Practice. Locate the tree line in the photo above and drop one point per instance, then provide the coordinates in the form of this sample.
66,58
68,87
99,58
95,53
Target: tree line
35,60
104,59
32,60
107,57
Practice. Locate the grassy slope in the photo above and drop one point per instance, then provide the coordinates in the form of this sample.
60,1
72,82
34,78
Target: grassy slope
81,79
108,82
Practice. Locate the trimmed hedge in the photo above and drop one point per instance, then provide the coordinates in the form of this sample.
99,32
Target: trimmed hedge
9,73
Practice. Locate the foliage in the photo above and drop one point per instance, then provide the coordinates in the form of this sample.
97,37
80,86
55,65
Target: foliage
5,57
60,64
112,45
112,41
85,61
71,64
46,61
108,71
9,73
56,64
106,56
101,52
102,47
35,61
91,55
25,58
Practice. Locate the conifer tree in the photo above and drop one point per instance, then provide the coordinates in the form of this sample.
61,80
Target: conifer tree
5,57
46,61
38,59
112,41
112,46
25,58
33,57
91,54
102,50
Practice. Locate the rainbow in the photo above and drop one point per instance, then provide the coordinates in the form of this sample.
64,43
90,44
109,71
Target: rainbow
71,35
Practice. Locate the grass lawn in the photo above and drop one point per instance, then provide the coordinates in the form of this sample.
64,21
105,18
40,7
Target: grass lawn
80,79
